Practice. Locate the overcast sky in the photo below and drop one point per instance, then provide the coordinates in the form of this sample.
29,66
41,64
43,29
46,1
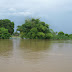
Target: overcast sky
57,13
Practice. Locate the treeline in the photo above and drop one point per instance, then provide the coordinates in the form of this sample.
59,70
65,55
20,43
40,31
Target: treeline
61,36
36,29
31,29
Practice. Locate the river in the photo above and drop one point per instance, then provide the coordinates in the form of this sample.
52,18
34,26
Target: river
17,55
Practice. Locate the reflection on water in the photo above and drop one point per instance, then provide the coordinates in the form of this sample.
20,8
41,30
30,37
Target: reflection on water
17,55
34,49
35,45
6,47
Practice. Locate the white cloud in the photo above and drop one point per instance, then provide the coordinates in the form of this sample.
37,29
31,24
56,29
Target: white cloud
21,13
55,11
12,9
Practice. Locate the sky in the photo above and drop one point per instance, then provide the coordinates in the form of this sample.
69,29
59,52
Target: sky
56,13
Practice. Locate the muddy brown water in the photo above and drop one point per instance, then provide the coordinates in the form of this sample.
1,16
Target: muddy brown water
17,55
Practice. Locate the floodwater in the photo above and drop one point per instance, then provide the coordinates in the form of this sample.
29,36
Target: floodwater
17,55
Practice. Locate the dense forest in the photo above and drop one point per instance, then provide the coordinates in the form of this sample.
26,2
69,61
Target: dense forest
31,29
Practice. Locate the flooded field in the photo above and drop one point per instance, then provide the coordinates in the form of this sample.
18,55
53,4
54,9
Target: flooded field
17,55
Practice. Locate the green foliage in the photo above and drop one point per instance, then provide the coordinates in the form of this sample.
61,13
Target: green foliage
35,29
22,35
61,36
41,35
70,36
67,35
4,34
16,34
48,36
61,33
8,25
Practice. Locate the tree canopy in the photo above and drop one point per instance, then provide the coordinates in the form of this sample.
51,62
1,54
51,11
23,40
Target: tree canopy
6,23
4,34
61,33
34,29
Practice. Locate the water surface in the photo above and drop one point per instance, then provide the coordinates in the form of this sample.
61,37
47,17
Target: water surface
17,55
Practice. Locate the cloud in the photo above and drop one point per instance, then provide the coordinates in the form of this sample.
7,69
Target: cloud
12,9
57,12
21,13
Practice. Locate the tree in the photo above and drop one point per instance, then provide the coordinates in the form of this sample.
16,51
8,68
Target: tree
16,34
66,35
4,34
70,36
6,23
61,36
61,33
34,29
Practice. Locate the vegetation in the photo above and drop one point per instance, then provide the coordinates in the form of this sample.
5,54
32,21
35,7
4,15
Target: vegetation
6,23
4,34
31,29
62,36
16,34
70,36
6,28
35,29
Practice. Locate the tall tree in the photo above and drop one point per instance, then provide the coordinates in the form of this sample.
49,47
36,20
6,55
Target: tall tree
6,23
35,29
